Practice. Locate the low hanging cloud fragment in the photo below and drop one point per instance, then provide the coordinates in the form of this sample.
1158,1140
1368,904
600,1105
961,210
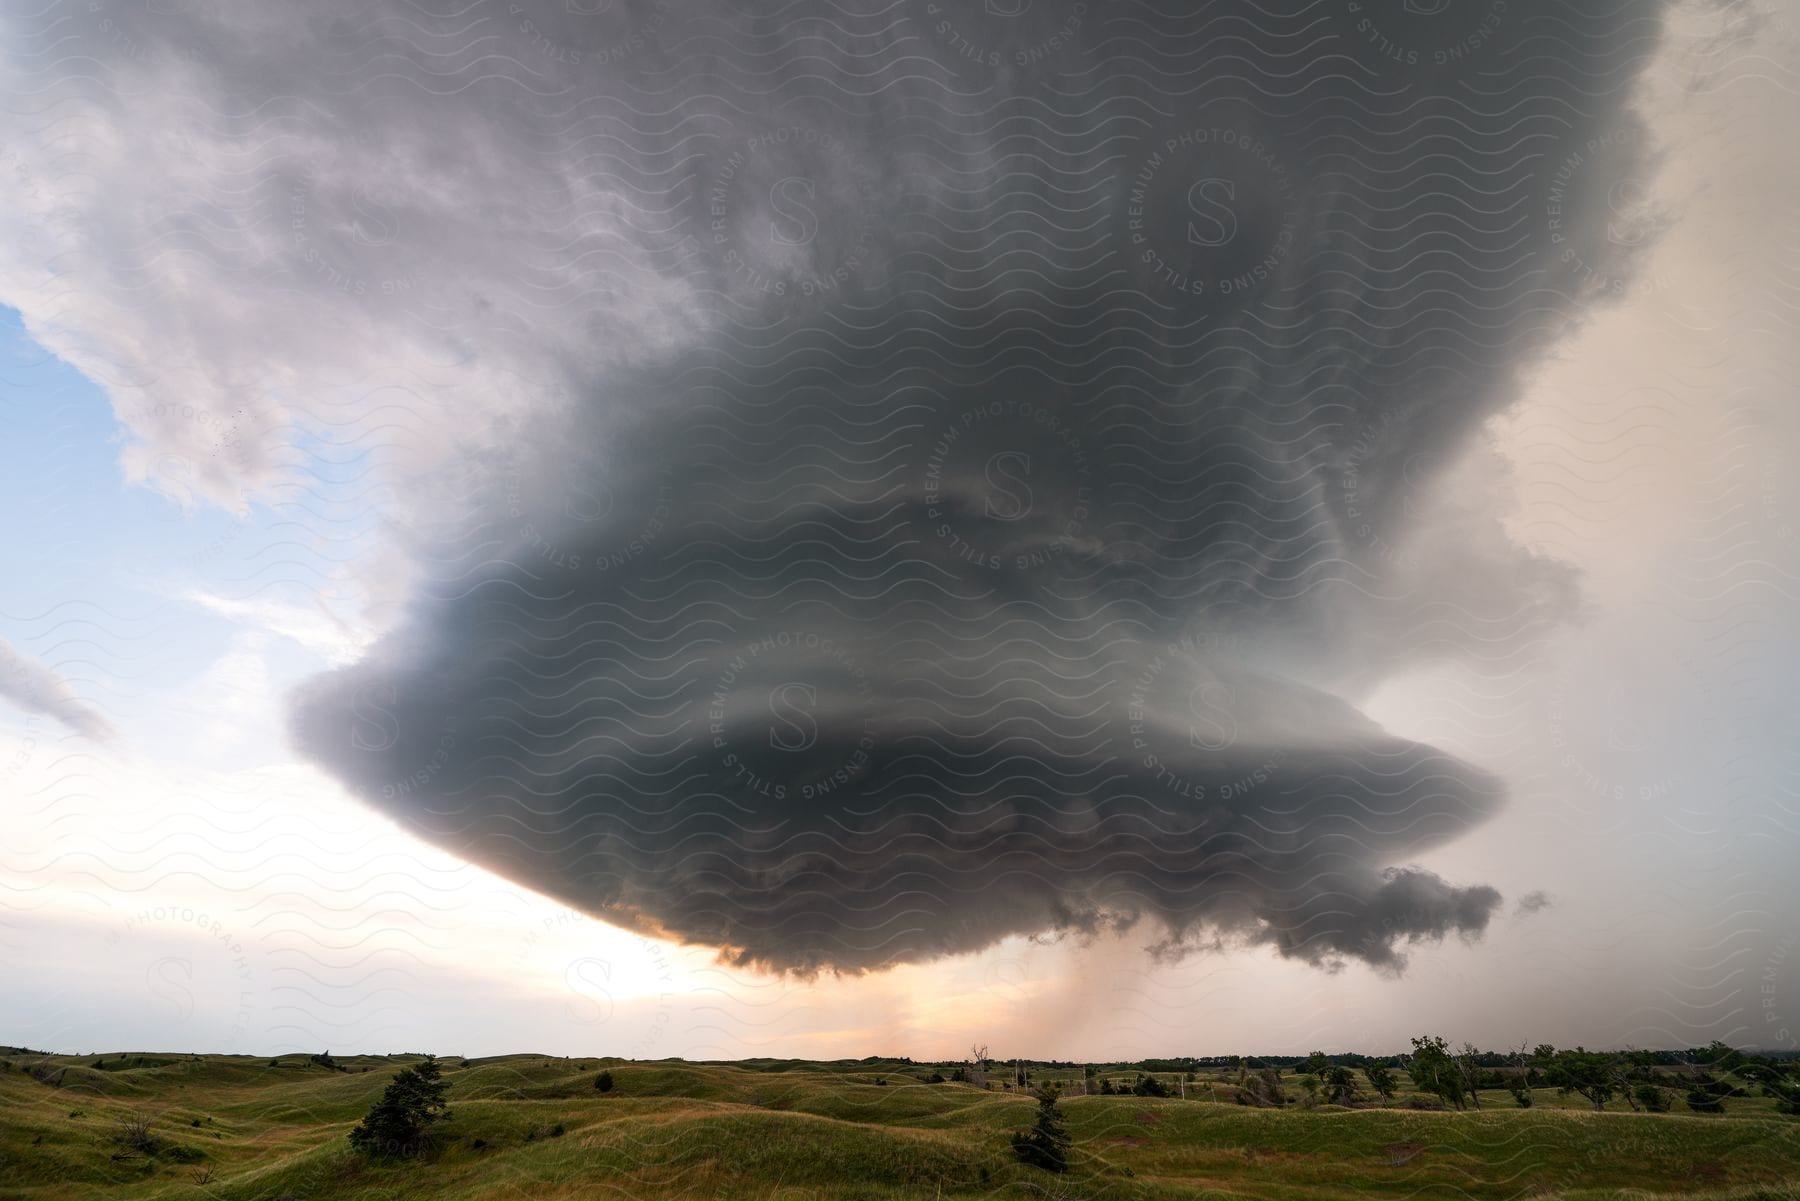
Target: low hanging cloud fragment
37,689
907,477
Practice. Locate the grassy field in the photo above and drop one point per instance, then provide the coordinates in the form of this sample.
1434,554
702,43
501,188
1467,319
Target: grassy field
534,1127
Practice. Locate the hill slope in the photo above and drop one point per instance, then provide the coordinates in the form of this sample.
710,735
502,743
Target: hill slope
242,1129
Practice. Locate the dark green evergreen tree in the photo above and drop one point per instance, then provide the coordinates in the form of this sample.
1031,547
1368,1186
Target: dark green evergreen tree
1046,1145
399,1124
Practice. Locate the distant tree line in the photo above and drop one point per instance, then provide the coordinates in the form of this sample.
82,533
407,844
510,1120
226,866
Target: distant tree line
1642,1080
1440,1074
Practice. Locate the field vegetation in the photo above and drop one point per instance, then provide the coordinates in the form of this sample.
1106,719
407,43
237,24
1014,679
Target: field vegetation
178,1126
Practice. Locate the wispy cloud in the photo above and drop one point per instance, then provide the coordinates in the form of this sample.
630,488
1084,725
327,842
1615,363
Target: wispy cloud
36,688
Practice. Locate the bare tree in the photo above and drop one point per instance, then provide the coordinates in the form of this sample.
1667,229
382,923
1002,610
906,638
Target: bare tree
978,1062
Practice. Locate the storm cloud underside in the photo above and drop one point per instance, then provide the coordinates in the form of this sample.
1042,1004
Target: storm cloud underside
946,478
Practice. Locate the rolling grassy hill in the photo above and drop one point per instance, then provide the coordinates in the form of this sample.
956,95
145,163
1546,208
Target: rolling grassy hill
242,1129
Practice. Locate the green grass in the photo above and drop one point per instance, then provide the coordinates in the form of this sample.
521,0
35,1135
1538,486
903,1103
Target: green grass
237,1129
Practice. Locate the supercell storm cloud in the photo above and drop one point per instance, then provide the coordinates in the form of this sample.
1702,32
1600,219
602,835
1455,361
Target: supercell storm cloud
974,461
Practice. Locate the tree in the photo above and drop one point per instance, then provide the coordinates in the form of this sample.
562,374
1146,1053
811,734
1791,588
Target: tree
1520,1088
1592,1074
1519,1081
604,1081
399,1124
1381,1079
976,1071
1435,1070
1047,1144
1338,1085
1468,1066
1149,1086
1784,1090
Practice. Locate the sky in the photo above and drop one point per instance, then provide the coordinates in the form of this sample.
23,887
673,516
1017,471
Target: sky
674,529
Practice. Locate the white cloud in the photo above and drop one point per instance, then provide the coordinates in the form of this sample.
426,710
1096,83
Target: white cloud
333,631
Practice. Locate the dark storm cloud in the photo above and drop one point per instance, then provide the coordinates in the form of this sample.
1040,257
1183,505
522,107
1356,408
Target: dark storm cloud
1052,460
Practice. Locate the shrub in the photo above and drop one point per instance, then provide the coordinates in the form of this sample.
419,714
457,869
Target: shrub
1149,1086
1261,1088
1651,1098
604,1082
1701,1101
1046,1146
134,1134
399,1123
